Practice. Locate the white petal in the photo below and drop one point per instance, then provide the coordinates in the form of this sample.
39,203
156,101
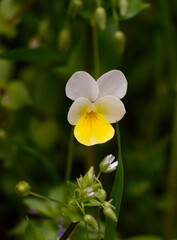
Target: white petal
81,84
109,159
90,194
111,108
112,83
113,166
77,109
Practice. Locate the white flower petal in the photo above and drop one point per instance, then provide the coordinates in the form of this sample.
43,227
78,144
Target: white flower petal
89,194
112,83
111,108
109,159
77,109
81,84
113,166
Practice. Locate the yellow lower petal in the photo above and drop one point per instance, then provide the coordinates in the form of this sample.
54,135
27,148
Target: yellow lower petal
92,128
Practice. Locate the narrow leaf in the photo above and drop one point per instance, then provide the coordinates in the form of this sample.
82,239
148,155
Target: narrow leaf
116,193
31,55
134,7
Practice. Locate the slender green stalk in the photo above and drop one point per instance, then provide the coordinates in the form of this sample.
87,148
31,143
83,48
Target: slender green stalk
169,32
115,14
82,210
116,194
98,2
46,198
116,18
86,231
70,156
98,175
95,50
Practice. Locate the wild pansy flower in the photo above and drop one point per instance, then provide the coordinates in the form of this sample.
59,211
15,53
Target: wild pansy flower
96,105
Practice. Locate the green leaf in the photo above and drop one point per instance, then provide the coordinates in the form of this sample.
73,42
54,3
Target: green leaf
32,233
31,55
70,188
72,213
134,7
116,193
43,207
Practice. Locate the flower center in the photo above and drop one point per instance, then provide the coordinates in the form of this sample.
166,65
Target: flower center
91,115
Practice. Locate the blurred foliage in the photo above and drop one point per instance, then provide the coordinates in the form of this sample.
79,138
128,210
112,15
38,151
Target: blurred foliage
42,43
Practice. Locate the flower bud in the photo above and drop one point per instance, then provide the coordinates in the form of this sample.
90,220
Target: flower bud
108,204
110,213
101,194
64,39
23,188
123,4
76,4
87,180
119,41
90,221
100,15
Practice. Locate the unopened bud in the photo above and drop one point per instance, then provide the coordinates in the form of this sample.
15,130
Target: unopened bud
90,221
123,4
119,40
64,39
100,15
110,213
76,4
23,188
101,194
87,180
108,204
74,8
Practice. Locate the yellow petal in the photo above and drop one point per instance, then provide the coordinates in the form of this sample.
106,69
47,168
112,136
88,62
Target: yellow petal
92,128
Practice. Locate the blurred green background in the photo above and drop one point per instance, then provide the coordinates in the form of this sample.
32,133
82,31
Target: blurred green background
42,43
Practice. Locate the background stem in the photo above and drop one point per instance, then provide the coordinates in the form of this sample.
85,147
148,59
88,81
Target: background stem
95,51
70,155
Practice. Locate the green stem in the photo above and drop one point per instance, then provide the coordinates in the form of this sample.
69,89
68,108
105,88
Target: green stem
169,32
95,50
82,210
116,18
98,3
86,231
117,191
70,156
47,199
98,175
